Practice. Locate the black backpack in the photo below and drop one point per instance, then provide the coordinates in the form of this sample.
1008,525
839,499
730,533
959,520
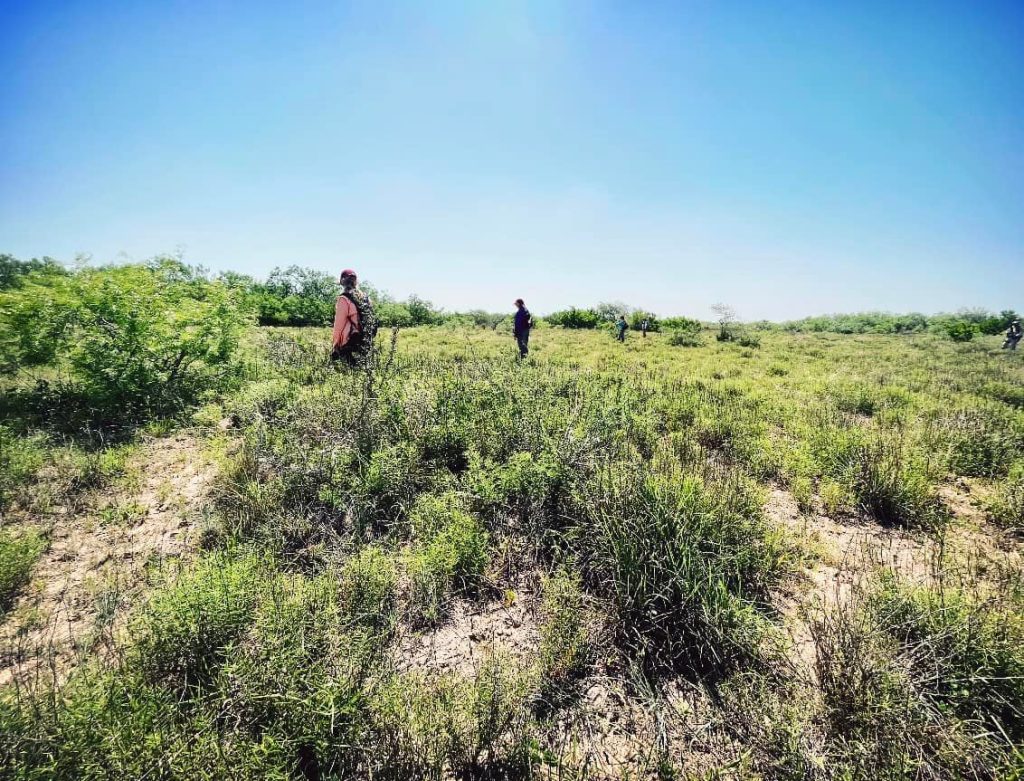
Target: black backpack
361,342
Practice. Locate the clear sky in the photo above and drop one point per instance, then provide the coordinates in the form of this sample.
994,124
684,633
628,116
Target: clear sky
788,158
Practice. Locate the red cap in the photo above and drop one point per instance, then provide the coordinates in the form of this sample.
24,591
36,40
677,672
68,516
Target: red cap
347,273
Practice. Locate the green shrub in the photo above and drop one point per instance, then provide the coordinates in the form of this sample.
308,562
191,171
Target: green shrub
20,458
525,489
980,440
684,562
139,340
685,336
920,683
895,487
960,331
368,584
18,554
564,636
449,554
575,318
296,676
186,629
1006,507
965,654
477,728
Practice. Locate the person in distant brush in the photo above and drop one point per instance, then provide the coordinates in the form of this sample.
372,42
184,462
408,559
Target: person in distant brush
620,328
355,324
1013,335
521,326
644,325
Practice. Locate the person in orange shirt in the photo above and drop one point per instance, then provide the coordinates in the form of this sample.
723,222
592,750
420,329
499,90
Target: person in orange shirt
354,323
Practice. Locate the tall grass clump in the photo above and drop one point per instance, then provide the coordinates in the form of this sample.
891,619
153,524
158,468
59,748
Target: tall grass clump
294,675
565,643
441,726
685,560
894,485
18,554
367,588
920,682
20,459
981,440
1006,507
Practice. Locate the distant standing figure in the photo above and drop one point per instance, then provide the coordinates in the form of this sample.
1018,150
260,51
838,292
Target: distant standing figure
644,325
620,328
1013,335
355,324
521,326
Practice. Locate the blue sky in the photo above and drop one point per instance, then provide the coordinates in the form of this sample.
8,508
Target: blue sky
789,158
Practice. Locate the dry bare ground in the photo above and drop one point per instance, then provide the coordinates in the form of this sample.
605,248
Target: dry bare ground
854,550
97,559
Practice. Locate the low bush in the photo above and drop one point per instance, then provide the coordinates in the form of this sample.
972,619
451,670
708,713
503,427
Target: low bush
981,441
960,331
139,340
921,682
187,627
20,458
895,486
18,554
575,318
565,646
367,589
449,554
684,563
476,728
965,654
1006,506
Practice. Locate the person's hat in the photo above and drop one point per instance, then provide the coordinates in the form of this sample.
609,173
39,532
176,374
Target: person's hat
519,302
347,273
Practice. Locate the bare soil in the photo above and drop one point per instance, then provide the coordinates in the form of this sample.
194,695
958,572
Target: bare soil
853,551
98,555
472,633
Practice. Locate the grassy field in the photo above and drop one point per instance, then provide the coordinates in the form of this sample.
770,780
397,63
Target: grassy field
793,558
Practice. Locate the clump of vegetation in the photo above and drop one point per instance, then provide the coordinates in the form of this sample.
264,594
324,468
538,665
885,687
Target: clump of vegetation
683,332
137,341
20,458
895,487
978,321
1006,507
960,331
449,554
18,554
187,628
565,645
368,586
924,680
575,318
684,562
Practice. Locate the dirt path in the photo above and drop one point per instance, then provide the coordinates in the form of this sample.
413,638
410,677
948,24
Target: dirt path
98,556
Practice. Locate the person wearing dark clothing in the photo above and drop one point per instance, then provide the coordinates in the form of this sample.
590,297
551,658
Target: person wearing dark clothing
644,325
620,328
521,326
1013,335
